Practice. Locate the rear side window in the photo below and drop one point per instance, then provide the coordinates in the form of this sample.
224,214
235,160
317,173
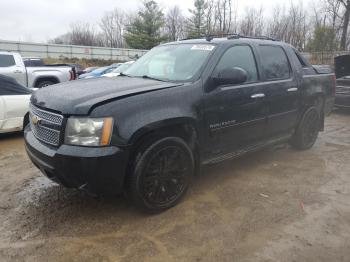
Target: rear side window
242,57
7,60
33,62
275,64
301,59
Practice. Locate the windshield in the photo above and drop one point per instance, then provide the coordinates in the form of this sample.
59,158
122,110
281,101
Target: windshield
178,62
121,68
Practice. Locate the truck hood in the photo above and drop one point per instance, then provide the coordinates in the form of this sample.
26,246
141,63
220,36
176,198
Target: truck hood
78,97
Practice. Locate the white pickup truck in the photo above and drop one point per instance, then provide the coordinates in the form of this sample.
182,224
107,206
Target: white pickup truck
12,65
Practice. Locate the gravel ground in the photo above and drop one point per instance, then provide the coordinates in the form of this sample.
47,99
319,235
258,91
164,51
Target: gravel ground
275,205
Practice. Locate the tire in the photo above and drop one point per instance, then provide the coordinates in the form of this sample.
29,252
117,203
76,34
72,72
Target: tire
160,174
45,83
307,132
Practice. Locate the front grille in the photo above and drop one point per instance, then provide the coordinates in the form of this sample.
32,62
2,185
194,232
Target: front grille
46,126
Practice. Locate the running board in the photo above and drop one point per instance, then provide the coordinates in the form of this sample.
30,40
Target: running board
246,150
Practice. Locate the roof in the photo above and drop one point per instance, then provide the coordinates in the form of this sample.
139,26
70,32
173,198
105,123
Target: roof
31,58
229,39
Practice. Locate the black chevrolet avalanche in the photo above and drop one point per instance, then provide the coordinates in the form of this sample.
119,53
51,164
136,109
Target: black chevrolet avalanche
181,106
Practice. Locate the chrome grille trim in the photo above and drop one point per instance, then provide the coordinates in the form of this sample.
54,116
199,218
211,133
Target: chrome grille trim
47,116
48,130
46,135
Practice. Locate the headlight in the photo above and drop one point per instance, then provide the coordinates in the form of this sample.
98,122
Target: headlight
88,131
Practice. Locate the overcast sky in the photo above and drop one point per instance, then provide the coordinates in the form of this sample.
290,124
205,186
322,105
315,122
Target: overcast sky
40,20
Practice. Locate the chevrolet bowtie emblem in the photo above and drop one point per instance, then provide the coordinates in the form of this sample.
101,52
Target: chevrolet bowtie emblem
35,120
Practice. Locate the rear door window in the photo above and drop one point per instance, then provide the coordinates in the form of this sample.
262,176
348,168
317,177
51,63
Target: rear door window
275,64
7,61
33,62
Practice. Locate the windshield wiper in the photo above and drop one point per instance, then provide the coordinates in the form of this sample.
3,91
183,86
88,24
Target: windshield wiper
144,76
122,74
153,78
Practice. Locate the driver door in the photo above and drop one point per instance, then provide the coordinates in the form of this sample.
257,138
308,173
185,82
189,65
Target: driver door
235,115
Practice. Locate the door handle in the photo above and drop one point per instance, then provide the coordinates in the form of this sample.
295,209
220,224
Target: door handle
18,72
258,95
293,89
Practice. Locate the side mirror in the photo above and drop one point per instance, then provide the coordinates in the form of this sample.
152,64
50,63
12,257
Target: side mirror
231,76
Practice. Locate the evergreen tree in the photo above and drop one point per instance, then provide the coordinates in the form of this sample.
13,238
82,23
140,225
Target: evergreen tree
323,40
197,22
144,32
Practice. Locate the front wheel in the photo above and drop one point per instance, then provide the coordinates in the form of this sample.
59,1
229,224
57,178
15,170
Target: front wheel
161,174
307,132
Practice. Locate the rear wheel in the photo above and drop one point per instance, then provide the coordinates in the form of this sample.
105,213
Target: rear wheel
45,83
161,174
308,129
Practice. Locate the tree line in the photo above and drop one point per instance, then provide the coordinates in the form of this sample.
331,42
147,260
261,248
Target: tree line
323,27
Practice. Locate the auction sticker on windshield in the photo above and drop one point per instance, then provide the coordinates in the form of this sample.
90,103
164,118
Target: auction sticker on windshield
203,47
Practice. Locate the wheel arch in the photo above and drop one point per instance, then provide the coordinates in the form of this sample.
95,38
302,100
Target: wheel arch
184,127
317,100
46,78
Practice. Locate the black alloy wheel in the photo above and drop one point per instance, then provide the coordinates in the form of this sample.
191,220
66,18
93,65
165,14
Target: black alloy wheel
308,129
162,173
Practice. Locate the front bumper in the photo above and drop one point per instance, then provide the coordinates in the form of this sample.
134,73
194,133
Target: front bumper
98,170
342,100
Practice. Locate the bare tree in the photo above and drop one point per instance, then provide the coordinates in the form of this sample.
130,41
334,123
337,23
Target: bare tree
174,23
83,34
112,26
277,26
337,13
210,14
290,25
223,15
343,40
253,22
332,10
298,29
64,39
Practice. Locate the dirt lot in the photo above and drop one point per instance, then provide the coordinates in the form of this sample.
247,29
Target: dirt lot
275,205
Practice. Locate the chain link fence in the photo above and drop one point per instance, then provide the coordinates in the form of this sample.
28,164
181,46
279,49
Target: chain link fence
70,51
324,58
